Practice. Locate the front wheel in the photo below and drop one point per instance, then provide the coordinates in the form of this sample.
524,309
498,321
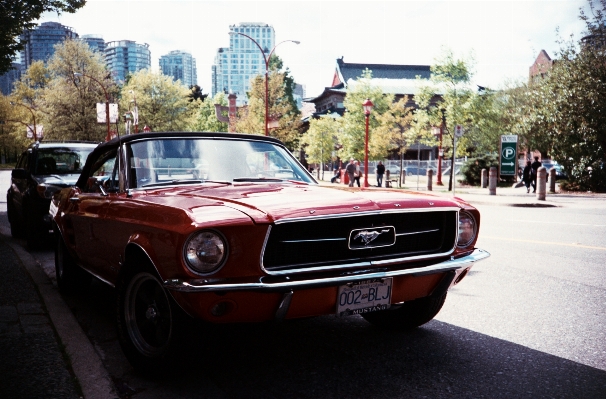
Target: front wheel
147,322
409,315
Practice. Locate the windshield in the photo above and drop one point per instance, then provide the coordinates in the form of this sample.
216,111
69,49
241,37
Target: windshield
190,160
61,160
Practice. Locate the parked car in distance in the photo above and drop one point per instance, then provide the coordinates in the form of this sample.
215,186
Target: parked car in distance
413,170
41,170
248,236
560,174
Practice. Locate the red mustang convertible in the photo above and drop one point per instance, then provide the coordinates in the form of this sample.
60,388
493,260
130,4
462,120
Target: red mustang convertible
230,228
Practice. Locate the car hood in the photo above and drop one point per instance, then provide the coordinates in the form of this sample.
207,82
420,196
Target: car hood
58,180
267,203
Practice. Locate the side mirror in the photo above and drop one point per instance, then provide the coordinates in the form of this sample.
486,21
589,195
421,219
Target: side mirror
19,174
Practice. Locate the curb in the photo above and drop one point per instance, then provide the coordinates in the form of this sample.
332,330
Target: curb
88,368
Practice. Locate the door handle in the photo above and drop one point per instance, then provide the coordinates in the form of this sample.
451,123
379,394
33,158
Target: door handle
74,199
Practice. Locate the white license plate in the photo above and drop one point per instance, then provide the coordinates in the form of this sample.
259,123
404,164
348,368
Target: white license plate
364,296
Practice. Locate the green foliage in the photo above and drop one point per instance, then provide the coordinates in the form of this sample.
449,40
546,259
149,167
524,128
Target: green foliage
206,117
472,169
282,107
460,105
17,15
163,103
69,100
320,140
394,130
562,114
353,132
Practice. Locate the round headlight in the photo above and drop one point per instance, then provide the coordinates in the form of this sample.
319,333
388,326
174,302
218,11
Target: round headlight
467,229
205,251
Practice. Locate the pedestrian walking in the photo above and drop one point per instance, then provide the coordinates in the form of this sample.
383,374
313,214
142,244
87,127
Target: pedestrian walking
351,170
357,173
535,169
380,173
527,176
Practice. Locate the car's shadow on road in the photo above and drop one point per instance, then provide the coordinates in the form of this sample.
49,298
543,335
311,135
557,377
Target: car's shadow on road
330,357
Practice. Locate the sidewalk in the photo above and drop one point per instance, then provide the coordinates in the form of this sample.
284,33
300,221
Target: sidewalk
45,353
505,196
33,364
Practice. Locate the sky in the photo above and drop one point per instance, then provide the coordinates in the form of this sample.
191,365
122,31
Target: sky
503,37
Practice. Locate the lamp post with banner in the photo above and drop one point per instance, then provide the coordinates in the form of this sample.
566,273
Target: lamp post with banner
100,105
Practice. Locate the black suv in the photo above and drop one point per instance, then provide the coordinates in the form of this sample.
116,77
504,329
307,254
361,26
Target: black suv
42,169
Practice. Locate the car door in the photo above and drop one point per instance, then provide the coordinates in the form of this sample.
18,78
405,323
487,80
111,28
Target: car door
87,214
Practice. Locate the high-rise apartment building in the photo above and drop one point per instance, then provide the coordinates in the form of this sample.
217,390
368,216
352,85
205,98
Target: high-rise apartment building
7,80
181,66
237,64
40,41
95,42
124,57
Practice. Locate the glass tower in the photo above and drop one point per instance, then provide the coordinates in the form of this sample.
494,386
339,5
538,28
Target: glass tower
41,40
237,64
124,57
181,66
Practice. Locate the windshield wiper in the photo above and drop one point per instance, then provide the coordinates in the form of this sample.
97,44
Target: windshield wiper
170,182
257,179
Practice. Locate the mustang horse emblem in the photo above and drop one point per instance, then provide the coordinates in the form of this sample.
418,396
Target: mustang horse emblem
369,236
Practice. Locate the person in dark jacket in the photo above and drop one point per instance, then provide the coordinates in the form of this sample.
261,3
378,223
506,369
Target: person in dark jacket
535,169
380,173
526,176
351,169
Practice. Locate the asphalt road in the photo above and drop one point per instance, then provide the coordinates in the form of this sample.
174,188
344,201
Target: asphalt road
529,322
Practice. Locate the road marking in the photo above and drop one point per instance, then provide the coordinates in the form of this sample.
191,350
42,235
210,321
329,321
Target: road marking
560,244
562,223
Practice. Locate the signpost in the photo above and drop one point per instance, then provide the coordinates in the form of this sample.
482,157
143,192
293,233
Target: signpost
508,159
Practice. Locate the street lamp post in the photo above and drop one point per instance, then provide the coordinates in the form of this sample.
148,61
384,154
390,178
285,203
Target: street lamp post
76,74
266,59
367,106
437,131
33,118
135,112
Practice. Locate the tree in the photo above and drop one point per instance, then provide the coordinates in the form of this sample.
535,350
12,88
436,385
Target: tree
78,81
394,130
196,93
17,15
205,119
451,77
321,139
569,105
282,107
353,132
163,104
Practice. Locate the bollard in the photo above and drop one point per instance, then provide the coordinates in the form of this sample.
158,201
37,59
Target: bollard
403,176
484,178
541,183
429,179
387,181
492,181
552,180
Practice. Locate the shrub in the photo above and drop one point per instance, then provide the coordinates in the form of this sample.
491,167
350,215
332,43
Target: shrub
472,169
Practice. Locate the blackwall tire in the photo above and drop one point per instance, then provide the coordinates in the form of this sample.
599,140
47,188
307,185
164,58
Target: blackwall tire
409,315
149,323
70,277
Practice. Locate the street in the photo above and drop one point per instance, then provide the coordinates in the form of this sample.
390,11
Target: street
528,322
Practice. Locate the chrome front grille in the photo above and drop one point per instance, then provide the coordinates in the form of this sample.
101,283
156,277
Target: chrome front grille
326,243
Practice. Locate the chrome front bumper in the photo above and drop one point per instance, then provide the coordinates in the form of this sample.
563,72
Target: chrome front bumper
281,284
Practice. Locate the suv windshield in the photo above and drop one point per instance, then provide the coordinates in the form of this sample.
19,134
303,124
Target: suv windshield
61,160
162,161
